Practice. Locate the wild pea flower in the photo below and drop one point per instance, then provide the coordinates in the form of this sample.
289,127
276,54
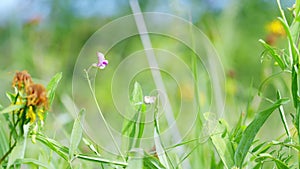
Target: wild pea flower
102,62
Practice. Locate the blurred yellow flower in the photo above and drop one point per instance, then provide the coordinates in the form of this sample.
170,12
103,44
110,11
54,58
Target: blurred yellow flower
41,114
275,27
31,115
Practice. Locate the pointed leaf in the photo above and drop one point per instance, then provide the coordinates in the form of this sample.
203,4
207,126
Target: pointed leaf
137,96
11,108
11,97
274,54
159,147
223,147
51,87
251,131
152,162
76,134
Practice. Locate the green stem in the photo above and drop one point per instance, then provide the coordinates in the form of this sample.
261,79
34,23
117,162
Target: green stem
101,160
63,151
101,114
8,152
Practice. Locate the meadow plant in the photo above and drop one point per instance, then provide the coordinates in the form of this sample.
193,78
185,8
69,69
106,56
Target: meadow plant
234,147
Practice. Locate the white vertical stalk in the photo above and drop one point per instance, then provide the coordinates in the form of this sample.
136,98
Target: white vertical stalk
143,32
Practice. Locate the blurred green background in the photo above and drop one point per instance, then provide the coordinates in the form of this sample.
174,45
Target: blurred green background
46,36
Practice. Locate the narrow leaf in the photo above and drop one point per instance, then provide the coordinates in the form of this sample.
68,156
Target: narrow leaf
76,134
251,131
54,145
141,124
137,96
279,164
11,97
223,147
51,87
282,116
152,162
159,147
11,108
274,54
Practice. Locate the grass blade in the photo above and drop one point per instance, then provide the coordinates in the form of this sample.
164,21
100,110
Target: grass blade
76,134
51,87
251,131
152,162
11,108
160,149
137,96
282,116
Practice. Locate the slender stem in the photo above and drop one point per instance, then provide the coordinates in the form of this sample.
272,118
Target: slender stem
101,114
8,152
13,130
101,160
62,150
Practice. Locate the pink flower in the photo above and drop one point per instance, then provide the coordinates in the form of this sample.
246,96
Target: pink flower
102,62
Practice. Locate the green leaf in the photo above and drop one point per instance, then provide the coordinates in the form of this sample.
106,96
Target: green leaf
274,54
297,7
251,131
134,128
141,124
295,86
100,160
91,146
162,155
223,147
51,87
54,145
11,97
152,163
295,28
258,147
76,134
129,130
137,96
282,116
279,164
292,46
11,108
32,161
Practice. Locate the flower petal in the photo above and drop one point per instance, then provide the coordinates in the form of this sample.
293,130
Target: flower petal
100,57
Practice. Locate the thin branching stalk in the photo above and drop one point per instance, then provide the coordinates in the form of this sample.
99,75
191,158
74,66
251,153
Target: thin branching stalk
103,118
